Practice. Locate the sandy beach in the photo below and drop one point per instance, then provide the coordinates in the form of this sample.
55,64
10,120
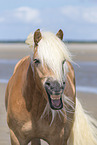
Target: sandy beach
83,54
79,51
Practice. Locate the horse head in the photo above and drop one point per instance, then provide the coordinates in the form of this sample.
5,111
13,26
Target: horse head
49,62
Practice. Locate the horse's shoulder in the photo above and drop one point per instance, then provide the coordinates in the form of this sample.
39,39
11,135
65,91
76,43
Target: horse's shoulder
25,60
19,72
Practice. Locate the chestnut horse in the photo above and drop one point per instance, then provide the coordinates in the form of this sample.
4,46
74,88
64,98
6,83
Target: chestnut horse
41,98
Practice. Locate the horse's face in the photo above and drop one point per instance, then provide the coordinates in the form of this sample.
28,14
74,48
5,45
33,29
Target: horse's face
53,86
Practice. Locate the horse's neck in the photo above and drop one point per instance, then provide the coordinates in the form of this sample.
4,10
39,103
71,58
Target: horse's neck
33,94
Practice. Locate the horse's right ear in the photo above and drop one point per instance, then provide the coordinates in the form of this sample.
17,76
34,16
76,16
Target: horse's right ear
37,36
60,34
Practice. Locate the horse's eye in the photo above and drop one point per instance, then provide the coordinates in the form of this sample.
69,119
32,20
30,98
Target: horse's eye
36,61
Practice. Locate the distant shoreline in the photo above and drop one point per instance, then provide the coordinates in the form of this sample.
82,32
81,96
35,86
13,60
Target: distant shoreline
66,41
12,41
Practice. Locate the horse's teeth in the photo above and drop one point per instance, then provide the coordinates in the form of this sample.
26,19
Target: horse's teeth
55,98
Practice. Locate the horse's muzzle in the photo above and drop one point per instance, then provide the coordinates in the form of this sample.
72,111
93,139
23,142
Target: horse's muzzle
54,91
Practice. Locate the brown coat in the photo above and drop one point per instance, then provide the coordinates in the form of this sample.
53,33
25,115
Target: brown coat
25,102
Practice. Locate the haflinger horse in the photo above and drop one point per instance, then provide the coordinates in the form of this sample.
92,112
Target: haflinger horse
41,98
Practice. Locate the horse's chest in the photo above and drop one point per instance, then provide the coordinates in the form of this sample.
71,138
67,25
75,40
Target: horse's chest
27,127
41,130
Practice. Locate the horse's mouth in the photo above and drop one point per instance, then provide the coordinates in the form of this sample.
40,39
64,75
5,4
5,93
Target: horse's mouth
55,100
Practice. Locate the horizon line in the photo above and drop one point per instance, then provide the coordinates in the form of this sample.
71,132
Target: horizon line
66,41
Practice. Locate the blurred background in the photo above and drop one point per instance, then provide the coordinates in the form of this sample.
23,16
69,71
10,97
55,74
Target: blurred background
77,19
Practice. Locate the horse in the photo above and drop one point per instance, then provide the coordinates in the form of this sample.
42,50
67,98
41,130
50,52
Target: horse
41,100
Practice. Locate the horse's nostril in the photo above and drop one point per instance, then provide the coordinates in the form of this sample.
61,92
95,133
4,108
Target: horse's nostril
48,83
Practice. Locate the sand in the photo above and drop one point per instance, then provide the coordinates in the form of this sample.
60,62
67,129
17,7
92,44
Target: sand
80,52
4,131
17,51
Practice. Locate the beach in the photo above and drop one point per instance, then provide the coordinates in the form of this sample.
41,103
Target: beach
84,56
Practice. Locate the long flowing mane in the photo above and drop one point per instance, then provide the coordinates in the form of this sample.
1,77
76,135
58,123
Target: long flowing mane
52,51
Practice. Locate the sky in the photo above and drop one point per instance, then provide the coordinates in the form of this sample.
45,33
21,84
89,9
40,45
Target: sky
77,18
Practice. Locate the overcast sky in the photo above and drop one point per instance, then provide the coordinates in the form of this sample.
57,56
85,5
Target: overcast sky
77,18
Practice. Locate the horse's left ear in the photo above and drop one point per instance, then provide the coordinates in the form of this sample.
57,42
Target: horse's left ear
60,34
37,37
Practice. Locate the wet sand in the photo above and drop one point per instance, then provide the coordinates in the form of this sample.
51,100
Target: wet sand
80,53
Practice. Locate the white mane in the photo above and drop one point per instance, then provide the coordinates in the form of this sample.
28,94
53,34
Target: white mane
52,51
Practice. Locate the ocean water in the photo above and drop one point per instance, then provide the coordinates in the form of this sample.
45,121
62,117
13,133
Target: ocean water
85,73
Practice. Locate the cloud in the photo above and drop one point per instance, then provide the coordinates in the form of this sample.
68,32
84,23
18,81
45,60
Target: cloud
70,11
27,14
2,19
90,15
77,21
80,13
21,15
